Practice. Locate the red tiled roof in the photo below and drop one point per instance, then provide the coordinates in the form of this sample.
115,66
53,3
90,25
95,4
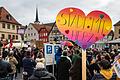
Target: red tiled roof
39,26
51,26
5,16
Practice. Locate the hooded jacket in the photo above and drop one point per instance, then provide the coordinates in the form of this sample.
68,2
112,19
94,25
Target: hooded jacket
105,75
42,74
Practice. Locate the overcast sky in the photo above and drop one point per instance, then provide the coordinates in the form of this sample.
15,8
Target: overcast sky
24,10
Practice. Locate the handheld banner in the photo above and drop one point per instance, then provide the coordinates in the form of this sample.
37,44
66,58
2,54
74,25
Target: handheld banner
116,67
83,30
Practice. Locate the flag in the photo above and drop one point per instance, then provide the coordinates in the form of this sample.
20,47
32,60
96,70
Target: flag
11,43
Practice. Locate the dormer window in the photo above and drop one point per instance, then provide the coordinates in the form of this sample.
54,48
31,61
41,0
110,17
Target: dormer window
8,17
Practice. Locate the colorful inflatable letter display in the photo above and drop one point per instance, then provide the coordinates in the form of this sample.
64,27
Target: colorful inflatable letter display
82,29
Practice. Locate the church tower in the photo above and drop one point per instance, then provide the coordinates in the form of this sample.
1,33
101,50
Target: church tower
36,19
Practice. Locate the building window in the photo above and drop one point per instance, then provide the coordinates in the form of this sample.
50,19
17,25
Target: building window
25,35
9,36
3,36
34,34
13,36
119,31
13,27
28,34
16,37
8,26
17,27
28,28
31,28
3,25
44,34
31,34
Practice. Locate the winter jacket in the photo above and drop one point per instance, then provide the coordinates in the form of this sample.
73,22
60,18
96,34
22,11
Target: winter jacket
76,69
5,68
13,62
63,67
28,65
42,74
105,75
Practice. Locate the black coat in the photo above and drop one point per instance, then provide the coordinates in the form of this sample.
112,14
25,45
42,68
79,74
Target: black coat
76,70
63,67
42,74
5,68
28,65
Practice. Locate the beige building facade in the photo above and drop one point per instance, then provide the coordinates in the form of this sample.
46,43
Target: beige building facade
8,26
117,30
55,35
8,30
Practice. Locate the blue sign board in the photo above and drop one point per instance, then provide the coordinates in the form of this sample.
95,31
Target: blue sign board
56,47
48,49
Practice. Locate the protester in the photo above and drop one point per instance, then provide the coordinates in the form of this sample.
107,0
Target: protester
40,57
58,54
35,52
5,69
76,68
63,67
13,62
28,65
5,53
17,56
106,73
41,73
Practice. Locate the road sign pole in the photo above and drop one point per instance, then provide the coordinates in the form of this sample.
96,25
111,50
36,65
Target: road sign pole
53,58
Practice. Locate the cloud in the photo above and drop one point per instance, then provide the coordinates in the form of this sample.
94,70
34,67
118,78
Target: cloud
24,10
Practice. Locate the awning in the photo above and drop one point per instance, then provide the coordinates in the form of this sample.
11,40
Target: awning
114,41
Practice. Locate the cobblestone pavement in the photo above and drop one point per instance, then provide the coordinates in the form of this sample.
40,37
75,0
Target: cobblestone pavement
19,76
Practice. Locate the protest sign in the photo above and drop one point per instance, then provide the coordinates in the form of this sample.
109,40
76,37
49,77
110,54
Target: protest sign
82,29
117,68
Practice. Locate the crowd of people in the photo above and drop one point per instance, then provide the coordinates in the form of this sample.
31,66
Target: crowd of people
100,64
30,62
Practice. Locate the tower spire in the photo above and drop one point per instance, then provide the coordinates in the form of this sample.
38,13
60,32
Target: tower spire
37,19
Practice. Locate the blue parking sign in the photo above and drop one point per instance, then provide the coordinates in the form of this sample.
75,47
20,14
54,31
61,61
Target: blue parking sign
56,47
49,49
